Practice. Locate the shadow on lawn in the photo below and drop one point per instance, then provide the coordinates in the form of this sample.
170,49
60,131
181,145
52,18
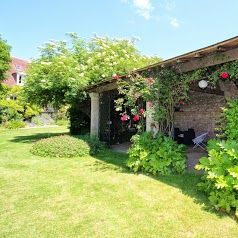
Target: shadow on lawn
187,183
34,137
111,160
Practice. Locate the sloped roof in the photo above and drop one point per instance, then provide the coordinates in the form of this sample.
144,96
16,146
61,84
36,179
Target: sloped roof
17,65
188,62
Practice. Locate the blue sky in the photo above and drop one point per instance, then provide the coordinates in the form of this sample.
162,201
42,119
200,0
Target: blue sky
165,28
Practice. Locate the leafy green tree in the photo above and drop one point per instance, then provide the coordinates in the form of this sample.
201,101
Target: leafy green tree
5,59
107,57
4,91
64,68
55,81
13,106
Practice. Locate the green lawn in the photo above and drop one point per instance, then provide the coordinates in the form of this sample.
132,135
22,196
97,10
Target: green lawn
96,197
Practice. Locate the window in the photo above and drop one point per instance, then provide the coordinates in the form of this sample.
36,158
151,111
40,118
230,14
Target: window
13,97
20,78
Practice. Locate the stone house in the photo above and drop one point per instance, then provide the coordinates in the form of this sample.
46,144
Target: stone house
201,110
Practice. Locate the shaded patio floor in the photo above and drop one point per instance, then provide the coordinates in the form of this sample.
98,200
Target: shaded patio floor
193,154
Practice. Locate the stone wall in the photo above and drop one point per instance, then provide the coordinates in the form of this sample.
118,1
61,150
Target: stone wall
202,109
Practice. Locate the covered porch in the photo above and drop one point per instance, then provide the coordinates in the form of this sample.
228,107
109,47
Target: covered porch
199,113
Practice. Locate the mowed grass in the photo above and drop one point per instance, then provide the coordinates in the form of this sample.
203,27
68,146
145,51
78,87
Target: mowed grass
96,197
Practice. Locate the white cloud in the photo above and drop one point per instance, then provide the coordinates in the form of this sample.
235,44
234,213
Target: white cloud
144,7
174,22
168,5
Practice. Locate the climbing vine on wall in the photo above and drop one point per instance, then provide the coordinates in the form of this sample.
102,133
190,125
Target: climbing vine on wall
164,89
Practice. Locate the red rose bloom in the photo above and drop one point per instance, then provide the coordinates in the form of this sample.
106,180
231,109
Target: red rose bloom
150,80
142,111
136,118
124,117
153,125
181,102
224,75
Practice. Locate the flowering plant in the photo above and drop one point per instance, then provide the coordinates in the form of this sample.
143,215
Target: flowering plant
124,117
136,118
142,111
224,75
181,102
162,94
165,88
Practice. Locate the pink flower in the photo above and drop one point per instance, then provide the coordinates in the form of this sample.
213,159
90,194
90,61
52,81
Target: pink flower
124,117
224,75
142,111
150,80
150,104
136,118
181,102
116,77
117,109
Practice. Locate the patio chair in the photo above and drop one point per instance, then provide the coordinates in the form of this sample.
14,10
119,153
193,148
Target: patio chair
198,141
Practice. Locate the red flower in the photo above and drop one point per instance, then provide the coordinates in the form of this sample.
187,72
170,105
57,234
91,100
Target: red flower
150,104
153,125
142,111
150,80
181,102
136,118
224,75
116,77
124,117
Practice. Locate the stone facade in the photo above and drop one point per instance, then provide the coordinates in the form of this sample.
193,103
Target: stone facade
202,109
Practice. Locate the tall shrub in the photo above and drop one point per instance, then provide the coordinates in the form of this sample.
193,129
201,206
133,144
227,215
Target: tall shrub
159,155
220,179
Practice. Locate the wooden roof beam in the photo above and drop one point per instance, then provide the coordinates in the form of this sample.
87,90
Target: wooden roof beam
209,60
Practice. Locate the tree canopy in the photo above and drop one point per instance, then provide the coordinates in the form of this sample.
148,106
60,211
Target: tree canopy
5,59
64,68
